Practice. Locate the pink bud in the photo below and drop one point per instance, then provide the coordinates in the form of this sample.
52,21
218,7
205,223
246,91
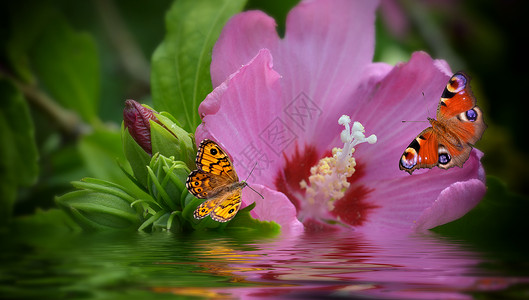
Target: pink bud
136,118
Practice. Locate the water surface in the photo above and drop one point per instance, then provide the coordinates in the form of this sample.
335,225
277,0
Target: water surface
131,265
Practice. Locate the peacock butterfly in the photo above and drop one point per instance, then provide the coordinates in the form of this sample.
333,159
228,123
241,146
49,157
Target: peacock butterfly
449,140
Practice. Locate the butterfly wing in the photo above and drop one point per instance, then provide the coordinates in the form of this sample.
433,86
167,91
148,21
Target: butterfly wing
214,171
458,111
228,207
222,208
212,159
421,152
204,209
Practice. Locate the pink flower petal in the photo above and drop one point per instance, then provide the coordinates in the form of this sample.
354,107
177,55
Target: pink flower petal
241,39
453,202
327,45
420,201
239,110
321,57
284,214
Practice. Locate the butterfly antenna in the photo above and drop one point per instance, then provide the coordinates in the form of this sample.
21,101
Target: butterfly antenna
245,181
251,171
255,191
427,107
418,121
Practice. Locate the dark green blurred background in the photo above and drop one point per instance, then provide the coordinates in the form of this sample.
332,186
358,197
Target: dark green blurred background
486,39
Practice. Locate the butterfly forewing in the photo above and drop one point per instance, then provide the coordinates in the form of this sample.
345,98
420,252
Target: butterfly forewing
212,159
457,97
198,183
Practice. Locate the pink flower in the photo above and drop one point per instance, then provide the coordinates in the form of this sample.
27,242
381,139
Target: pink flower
277,104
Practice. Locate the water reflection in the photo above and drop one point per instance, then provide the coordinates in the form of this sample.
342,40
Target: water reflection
214,265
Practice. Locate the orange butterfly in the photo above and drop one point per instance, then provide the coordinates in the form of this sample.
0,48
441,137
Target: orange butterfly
449,140
215,180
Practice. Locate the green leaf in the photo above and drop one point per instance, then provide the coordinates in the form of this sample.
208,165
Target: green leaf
18,153
244,221
67,64
180,65
99,210
499,220
103,186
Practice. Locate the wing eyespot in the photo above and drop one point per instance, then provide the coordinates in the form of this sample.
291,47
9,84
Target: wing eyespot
444,156
409,158
471,115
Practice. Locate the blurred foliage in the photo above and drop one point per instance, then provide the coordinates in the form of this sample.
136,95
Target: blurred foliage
192,29
67,67
65,71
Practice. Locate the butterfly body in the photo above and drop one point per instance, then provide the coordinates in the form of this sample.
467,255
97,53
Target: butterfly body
449,140
216,181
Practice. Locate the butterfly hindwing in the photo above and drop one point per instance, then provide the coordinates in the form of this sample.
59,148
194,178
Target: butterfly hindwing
228,207
222,208
421,153
204,209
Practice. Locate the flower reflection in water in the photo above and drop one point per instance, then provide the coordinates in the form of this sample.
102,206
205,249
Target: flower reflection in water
346,265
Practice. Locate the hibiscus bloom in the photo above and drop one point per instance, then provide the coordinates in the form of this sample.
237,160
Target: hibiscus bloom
278,106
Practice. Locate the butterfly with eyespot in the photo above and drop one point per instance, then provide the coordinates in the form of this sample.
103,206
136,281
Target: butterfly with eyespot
448,142
215,180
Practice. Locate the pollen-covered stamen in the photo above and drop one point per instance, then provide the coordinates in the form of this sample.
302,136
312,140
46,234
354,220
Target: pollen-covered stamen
328,179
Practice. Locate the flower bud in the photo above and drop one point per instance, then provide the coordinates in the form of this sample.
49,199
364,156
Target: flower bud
169,139
137,120
150,132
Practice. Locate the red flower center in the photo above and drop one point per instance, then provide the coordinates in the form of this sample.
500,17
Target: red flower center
352,209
